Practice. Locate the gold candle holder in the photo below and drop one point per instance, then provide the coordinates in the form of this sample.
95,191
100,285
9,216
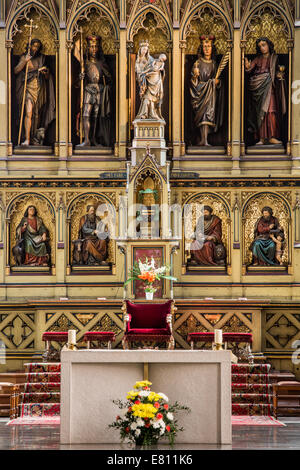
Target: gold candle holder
71,347
218,346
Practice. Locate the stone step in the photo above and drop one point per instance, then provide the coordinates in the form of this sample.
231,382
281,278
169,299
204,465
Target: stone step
252,398
42,387
35,367
239,409
33,377
39,409
52,397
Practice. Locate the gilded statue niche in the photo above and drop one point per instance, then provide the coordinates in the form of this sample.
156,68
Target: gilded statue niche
148,194
93,35
34,114
16,213
252,213
217,256
78,210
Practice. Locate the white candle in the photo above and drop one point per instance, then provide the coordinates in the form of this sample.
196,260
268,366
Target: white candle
72,336
218,336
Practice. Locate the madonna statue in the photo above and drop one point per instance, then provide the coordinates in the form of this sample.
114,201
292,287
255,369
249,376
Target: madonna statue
150,75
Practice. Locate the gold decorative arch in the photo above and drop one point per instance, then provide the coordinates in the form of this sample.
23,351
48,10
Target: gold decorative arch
151,26
45,31
95,20
207,20
220,209
267,21
78,209
252,212
16,212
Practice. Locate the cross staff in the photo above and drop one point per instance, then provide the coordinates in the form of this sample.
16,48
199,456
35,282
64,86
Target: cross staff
81,86
31,26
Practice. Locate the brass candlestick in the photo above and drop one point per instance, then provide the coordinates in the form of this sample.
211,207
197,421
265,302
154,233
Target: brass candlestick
71,347
218,346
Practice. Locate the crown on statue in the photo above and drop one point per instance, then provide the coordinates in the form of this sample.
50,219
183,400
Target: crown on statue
207,39
93,39
144,43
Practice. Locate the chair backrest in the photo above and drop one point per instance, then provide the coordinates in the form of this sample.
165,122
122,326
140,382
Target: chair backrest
148,315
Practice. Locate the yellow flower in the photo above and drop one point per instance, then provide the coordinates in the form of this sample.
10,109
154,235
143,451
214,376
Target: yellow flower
142,383
144,410
132,395
154,396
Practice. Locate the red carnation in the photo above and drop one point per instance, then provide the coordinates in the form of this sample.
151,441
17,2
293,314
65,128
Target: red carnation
166,407
147,425
156,404
130,409
159,416
127,429
137,402
168,428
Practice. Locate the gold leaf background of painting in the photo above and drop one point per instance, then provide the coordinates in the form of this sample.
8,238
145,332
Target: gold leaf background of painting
267,24
219,209
206,21
253,212
79,209
154,30
44,211
96,22
45,33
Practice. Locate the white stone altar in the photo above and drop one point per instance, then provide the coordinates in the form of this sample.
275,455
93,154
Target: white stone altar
91,379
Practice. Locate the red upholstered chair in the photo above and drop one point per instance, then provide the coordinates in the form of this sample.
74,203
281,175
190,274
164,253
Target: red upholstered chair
148,322
50,354
99,337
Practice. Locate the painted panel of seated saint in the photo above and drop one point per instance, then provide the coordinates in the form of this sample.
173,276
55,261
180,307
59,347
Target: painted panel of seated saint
266,232
91,247
208,249
269,240
32,237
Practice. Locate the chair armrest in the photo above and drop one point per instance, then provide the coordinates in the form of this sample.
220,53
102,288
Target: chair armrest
127,319
169,321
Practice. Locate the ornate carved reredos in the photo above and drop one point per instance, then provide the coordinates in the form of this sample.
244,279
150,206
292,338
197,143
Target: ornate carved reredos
45,210
252,211
220,209
78,208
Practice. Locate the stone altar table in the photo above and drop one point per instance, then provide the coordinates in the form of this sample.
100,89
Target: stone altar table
91,379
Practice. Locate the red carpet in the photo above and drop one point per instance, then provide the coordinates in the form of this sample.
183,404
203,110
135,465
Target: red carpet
252,393
43,421
255,421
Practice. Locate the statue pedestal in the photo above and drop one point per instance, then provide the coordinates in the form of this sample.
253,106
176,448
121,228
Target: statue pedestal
149,132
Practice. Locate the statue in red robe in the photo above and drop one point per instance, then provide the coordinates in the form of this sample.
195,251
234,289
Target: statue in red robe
208,249
267,100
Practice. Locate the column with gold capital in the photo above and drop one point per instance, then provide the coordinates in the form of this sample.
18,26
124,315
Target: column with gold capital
63,101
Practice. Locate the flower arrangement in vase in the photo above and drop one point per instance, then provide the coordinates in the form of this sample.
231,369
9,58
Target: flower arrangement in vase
147,416
148,273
